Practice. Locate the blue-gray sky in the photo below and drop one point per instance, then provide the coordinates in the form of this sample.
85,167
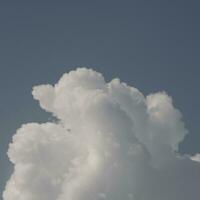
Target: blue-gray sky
150,45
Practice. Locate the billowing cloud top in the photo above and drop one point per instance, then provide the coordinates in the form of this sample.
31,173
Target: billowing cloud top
110,142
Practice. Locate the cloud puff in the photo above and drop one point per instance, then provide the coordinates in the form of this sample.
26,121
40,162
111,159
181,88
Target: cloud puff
110,142
196,158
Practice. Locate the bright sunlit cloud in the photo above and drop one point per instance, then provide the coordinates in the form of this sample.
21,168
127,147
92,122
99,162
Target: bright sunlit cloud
110,142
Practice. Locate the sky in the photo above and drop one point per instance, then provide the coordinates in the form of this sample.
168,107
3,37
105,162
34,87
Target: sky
153,46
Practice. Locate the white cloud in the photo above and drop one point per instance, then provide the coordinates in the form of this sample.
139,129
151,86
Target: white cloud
110,142
196,158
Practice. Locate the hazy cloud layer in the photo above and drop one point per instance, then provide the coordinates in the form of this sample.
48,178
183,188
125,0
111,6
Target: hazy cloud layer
110,142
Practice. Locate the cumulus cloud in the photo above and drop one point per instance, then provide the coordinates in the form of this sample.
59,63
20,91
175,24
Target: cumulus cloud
109,142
